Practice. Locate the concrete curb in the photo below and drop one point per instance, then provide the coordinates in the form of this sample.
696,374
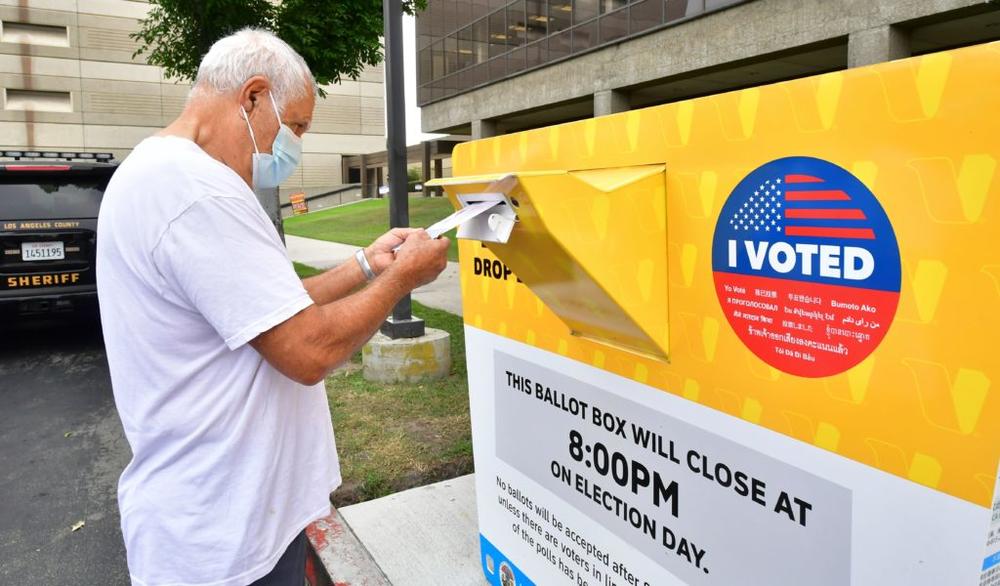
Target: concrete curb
338,558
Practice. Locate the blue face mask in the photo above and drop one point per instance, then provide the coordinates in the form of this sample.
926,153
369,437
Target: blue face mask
271,170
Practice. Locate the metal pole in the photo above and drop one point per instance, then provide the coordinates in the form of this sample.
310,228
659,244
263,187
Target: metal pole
271,203
401,324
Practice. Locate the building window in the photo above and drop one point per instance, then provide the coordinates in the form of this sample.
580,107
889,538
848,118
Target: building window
437,57
481,40
466,52
536,53
517,26
517,60
584,10
426,66
645,14
614,26
467,43
612,5
537,20
33,34
560,15
498,33
450,54
498,67
560,45
677,9
585,36
38,101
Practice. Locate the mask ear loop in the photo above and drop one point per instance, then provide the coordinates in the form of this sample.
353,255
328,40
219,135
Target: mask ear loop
281,125
275,106
253,139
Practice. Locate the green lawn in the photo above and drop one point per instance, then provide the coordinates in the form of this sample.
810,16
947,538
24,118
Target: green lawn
361,223
305,271
397,436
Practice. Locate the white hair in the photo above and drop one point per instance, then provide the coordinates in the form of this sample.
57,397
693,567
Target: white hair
234,59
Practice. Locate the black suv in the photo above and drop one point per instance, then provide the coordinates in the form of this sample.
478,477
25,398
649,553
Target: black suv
48,229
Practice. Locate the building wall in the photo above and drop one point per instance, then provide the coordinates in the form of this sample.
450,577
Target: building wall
739,45
76,86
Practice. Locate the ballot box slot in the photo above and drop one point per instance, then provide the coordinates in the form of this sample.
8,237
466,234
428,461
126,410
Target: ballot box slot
558,241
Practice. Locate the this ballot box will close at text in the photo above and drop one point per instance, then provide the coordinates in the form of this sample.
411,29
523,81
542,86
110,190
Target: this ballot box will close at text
747,339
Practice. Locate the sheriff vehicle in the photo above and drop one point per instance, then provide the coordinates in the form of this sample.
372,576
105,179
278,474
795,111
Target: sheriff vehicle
48,229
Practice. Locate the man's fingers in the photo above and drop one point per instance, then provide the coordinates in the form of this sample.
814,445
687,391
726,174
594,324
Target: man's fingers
417,235
402,233
392,239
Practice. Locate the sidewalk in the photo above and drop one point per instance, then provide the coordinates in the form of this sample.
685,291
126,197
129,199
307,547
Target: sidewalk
425,535
444,293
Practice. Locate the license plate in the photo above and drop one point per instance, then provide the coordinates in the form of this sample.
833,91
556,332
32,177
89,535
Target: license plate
42,251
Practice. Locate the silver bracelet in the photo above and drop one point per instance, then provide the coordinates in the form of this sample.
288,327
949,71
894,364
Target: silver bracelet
363,263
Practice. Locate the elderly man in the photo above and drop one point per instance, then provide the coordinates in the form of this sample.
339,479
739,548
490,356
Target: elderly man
217,350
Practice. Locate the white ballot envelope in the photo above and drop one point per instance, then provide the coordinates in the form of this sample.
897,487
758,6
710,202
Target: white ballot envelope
486,216
460,217
490,220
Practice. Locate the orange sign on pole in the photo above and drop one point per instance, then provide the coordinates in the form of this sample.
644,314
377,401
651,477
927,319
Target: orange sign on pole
299,204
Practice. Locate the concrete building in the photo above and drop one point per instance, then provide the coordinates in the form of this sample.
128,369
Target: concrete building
69,82
488,67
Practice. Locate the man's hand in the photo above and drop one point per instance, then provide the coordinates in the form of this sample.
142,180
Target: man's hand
380,253
419,260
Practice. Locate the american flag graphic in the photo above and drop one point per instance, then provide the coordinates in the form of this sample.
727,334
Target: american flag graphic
800,205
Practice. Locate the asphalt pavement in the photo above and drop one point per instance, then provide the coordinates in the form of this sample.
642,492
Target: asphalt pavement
61,452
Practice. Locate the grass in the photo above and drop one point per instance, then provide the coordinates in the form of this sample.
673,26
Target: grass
305,271
397,436
361,223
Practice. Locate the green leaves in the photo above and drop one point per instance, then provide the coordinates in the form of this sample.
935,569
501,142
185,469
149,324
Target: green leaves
337,38
177,33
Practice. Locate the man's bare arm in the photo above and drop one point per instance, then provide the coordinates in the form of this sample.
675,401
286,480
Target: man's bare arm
340,281
321,337
335,283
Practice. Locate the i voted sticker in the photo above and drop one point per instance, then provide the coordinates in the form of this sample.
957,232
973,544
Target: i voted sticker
806,266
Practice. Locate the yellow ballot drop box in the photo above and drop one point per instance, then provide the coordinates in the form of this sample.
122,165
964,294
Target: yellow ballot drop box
749,338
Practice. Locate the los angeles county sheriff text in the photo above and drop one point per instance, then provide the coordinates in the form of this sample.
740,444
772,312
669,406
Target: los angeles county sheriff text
42,280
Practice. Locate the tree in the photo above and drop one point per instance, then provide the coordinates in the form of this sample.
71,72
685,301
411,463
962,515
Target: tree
337,38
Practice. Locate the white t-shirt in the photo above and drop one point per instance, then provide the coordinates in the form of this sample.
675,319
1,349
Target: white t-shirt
231,459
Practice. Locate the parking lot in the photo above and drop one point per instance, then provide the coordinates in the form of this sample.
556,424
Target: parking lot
61,449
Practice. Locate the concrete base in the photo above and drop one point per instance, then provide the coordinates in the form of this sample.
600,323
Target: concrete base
407,359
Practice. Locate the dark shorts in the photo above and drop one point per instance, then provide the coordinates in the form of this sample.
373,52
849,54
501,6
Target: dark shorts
291,567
